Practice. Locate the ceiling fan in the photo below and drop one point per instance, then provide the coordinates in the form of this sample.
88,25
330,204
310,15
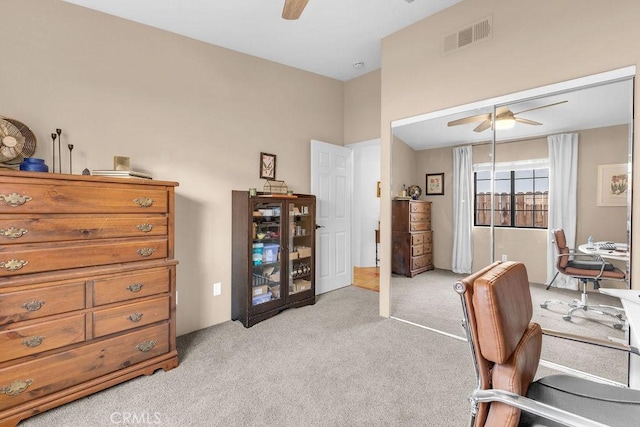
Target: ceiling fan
505,118
293,9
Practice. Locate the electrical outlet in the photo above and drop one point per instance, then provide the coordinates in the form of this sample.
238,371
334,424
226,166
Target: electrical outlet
217,289
504,257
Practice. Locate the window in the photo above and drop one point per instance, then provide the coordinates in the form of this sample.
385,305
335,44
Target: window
521,198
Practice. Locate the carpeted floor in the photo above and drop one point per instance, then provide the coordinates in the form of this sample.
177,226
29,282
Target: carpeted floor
429,299
336,363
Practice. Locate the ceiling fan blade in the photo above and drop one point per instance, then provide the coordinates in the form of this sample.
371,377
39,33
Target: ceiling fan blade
483,126
543,106
527,121
470,119
293,9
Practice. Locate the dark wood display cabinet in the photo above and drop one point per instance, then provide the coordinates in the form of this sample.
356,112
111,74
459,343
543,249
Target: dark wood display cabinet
273,254
411,235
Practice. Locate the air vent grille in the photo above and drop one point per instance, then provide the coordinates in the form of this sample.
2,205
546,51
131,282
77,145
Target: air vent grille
467,36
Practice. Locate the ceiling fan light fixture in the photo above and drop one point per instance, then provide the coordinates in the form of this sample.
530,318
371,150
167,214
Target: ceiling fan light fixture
502,124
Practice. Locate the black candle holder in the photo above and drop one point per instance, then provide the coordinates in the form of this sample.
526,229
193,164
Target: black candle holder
70,147
59,132
53,164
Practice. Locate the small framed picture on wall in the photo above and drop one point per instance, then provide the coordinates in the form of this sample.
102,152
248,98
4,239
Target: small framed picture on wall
267,166
435,184
612,185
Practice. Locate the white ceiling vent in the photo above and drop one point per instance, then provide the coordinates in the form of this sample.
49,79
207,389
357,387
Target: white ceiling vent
469,35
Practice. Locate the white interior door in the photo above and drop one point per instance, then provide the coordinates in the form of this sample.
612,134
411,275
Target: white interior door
331,184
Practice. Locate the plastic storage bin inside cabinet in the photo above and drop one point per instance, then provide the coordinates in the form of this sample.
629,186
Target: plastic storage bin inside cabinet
260,299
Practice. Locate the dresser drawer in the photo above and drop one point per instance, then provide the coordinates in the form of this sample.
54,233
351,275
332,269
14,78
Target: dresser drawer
33,258
427,248
420,262
417,239
121,318
46,375
23,197
17,342
417,250
46,301
420,217
129,286
52,228
418,226
419,207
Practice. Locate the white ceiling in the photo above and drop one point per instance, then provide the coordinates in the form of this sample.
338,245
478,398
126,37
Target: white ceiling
329,37
588,108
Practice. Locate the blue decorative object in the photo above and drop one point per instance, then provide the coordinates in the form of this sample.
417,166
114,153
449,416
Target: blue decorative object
32,164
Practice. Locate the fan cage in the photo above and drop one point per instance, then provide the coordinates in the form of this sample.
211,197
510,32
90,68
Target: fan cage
30,142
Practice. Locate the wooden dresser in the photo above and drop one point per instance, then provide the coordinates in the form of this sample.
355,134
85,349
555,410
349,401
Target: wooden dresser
87,286
411,236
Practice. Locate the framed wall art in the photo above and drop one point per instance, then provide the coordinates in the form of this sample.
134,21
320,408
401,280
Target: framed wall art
435,184
267,166
612,185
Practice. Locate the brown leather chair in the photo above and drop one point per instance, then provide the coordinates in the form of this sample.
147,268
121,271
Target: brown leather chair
586,268
505,347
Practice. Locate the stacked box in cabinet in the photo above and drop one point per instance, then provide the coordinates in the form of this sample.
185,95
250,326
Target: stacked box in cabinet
87,286
273,254
412,247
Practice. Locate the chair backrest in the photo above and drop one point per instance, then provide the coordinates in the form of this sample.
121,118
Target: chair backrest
561,247
505,344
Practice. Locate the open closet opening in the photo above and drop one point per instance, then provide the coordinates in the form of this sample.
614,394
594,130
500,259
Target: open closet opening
514,169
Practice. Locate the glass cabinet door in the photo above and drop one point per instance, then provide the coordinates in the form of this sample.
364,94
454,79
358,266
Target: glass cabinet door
265,259
301,231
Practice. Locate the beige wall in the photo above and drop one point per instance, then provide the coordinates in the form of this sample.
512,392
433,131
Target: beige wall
439,160
534,44
362,108
404,166
597,146
182,110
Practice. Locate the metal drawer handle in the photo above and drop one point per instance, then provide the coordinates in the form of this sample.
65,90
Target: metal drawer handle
13,232
145,228
33,341
143,202
32,305
145,346
16,387
145,251
13,264
135,317
135,287
15,199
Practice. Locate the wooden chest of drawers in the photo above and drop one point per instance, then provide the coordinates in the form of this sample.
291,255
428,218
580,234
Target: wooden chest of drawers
411,237
87,286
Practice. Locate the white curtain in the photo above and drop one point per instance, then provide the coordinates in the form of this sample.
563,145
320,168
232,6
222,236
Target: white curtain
563,184
462,210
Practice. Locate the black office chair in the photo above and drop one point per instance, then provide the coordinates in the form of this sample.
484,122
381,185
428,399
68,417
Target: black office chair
586,268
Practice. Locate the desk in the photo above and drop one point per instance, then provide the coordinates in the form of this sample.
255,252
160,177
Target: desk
620,255
630,299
